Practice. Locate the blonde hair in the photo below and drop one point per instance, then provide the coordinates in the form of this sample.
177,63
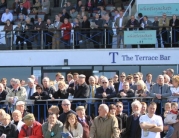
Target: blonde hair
54,109
167,104
174,104
176,79
7,116
61,83
18,112
2,112
142,84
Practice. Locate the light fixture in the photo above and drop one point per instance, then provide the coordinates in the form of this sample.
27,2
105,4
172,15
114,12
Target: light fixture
65,62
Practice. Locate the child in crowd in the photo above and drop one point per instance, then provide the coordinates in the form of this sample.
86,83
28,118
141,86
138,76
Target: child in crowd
171,117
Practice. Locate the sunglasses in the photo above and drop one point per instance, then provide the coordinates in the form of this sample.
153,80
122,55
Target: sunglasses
118,106
104,82
61,78
136,77
38,88
122,76
129,78
65,104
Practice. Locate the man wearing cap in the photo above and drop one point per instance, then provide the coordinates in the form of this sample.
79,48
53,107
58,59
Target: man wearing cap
52,128
66,105
31,128
81,90
20,105
84,120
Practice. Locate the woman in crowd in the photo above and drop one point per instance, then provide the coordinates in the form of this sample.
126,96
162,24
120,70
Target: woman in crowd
111,83
8,27
17,119
112,111
72,127
141,89
2,114
62,91
36,7
89,6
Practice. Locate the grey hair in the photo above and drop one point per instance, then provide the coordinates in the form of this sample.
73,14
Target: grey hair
171,70
46,78
16,81
160,76
30,80
105,107
18,112
66,101
27,19
167,77
137,103
92,77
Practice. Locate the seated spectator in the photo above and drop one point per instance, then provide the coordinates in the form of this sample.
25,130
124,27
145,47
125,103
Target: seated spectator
21,10
72,126
17,93
4,82
79,5
45,6
73,13
143,109
126,91
66,27
68,7
6,16
102,12
66,105
26,4
15,5
3,6
129,79
8,130
141,89
167,79
17,119
52,128
20,105
84,120
65,14
31,128
36,7
2,114
79,18
83,13
105,91
62,91
112,112
3,94
19,36
8,28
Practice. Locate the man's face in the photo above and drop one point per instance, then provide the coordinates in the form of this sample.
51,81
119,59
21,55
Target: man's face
97,16
21,108
6,121
65,21
69,78
66,107
122,77
52,119
145,19
81,113
21,5
84,18
4,82
119,107
91,81
125,86
156,18
75,77
16,116
132,18
105,83
149,77
48,21
121,14
39,20
144,107
136,78
15,86
45,82
160,80
152,109
136,109
81,81
7,10
101,111
115,78
174,108
28,122
164,16
30,84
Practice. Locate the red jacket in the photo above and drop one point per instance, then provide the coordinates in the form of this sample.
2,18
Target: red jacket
36,131
26,4
67,32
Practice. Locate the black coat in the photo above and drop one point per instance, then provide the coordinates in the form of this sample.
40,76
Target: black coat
81,91
63,116
43,95
110,91
10,131
86,24
23,11
3,95
61,94
129,93
135,23
123,117
49,90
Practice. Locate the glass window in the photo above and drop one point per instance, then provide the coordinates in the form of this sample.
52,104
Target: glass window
51,75
98,67
69,67
21,73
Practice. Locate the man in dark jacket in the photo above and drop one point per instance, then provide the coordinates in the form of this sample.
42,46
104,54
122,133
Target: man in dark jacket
8,130
85,32
21,10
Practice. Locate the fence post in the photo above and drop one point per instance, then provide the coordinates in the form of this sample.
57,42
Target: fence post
11,39
105,38
42,40
171,36
73,38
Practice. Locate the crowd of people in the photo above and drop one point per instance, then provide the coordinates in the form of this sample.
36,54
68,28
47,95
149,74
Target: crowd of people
143,121
88,20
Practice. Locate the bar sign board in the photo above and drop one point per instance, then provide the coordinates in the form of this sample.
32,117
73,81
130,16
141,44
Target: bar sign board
140,37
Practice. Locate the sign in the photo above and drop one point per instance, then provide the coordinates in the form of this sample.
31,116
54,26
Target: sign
140,37
158,9
83,57
37,73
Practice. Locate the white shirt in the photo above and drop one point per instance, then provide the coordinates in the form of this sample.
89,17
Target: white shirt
148,85
120,86
116,16
120,22
6,16
154,120
174,90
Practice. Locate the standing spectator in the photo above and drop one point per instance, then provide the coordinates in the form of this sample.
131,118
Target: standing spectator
53,127
167,79
155,27
89,6
85,30
79,5
163,24
4,82
118,85
48,35
19,36
56,3
100,122
133,129
70,79
66,105
170,73
148,81
6,16
45,6
143,109
160,91
126,91
8,130
174,23
116,12
57,78
136,79
31,128
28,33
17,119
132,23
56,33
3,6
151,123
26,4
37,6
83,13
116,79
140,19
65,14
68,7
141,89
20,105
62,91
66,27
102,12
84,120
107,24
72,126
46,86
129,79
3,93
2,114
15,5
146,24
17,93
73,13
21,10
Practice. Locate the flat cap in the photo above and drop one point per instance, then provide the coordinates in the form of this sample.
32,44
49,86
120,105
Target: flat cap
80,108
29,117
82,76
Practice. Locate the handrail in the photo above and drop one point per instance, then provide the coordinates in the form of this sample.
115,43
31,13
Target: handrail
128,8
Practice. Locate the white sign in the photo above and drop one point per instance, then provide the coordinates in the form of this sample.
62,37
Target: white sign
158,56
37,73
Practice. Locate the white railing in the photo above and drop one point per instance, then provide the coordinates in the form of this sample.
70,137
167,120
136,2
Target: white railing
129,8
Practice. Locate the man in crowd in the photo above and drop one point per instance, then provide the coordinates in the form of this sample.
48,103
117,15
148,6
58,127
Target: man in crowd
4,82
20,105
170,73
6,16
86,31
84,120
115,78
21,10
53,127
47,87
66,105
148,81
123,116
70,78
118,85
31,128
102,121
150,123
136,79
133,129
